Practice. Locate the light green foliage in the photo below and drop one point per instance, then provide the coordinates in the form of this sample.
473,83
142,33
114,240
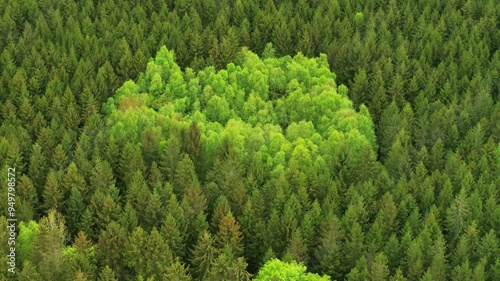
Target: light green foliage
251,104
276,270
359,18
27,234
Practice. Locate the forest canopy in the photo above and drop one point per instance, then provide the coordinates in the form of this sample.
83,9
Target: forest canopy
340,139
288,111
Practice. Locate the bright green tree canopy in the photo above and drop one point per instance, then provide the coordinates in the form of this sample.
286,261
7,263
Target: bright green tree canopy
276,270
247,105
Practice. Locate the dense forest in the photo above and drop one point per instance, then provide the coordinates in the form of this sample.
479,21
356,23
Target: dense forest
250,140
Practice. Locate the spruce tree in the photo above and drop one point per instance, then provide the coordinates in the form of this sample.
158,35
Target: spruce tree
52,194
203,255
229,235
185,175
107,274
112,243
74,210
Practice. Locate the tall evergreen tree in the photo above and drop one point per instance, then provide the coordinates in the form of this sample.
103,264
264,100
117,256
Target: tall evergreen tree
203,255
48,246
328,252
112,242
229,235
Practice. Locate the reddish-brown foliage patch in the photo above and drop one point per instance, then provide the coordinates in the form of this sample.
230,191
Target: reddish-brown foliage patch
129,102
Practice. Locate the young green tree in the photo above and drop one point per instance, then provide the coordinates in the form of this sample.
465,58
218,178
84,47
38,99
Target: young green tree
278,270
26,238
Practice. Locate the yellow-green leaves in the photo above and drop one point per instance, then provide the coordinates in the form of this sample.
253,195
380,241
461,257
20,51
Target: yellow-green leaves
276,270
288,109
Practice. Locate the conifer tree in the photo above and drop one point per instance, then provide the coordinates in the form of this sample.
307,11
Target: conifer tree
134,252
392,251
379,269
360,272
222,208
173,235
131,162
111,245
138,195
107,274
37,170
154,212
52,194
185,175
170,156
203,255
252,229
59,158
398,160
128,218
102,176
297,250
29,272
196,200
176,271
413,261
73,178
229,235
354,246
155,177
74,210
48,246
83,259
228,267
456,217
157,254
328,252
389,128
438,267
111,153
27,199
